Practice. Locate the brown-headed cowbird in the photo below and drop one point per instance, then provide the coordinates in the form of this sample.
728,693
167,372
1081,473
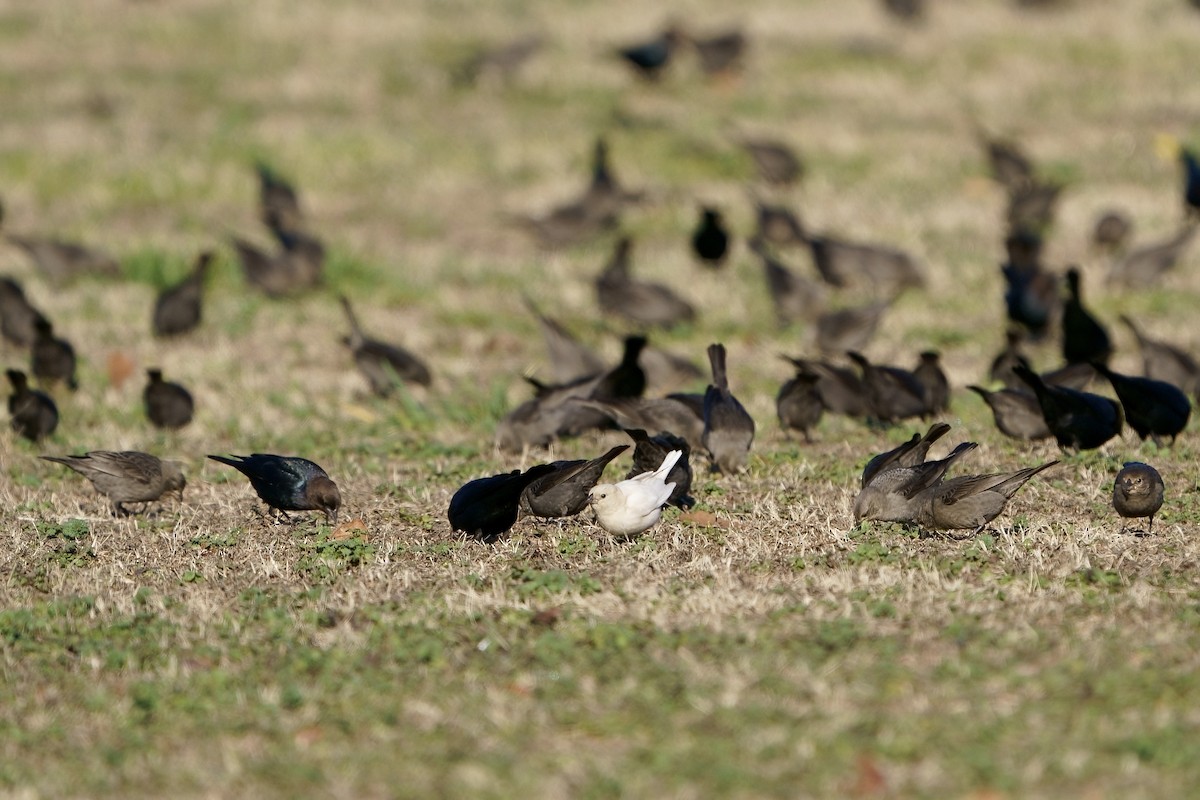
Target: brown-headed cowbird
651,451
648,59
569,358
1112,231
666,371
1002,365
775,161
62,261
849,328
793,296
1032,205
894,393
1084,340
659,414
1166,362
777,224
168,405
486,508
910,454
891,494
605,192
710,240
1142,267
626,379
18,317
934,382
177,309
127,476
382,364
278,201
970,502
33,414
798,403
1138,492
52,359
502,61
1017,413
868,267
728,427
1008,163
564,492
641,302
284,273
288,483
1154,409
721,53
840,388
1078,420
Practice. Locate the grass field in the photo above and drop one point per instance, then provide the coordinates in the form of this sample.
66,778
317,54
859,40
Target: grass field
770,649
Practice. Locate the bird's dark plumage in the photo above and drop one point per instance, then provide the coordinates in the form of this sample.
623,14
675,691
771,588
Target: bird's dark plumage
840,388
1142,267
1016,412
849,328
893,393
288,483
641,302
648,59
177,309
909,454
710,240
382,364
775,161
487,507
890,495
648,456
1154,409
52,359
972,501
798,403
1138,492
1191,181
1166,362
564,492
33,414
168,405
1079,420
18,318
793,296
127,476
1084,339
728,427
934,382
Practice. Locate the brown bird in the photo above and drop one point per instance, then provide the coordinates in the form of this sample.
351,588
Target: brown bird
286,272
1166,362
658,414
775,161
872,267
168,405
840,388
278,201
1143,266
970,502
891,495
894,393
1016,412
177,309
910,454
605,191
906,11
288,483
666,371
18,317
33,414
849,328
52,359
798,403
1138,492
1008,163
127,476
640,302
934,382
570,359
1112,231
777,224
1002,365
728,427
61,261
648,455
382,364
564,492
793,296
1032,206
501,61
722,53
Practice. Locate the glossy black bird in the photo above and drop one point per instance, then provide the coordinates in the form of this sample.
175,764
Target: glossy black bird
168,405
487,507
890,495
971,501
910,454
1078,420
126,477
1138,492
278,201
52,359
934,382
648,455
893,393
1142,267
849,328
177,309
710,240
798,403
728,427
18,317
33,414
564,492
1191,181
649,59
840,388
1165,362
288,483
775,161
1070,376
382,364
793,296
1031,297
1002,365
1017,412
1084,340
641,302
1154,409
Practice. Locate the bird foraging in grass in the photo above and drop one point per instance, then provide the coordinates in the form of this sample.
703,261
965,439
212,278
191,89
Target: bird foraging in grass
564,492
288,483
33,413
126,477
728,426
168,405
634,505
177,309
1138,492
382,364
487,507
972,501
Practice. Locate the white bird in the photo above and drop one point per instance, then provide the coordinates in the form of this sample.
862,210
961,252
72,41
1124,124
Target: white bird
634,505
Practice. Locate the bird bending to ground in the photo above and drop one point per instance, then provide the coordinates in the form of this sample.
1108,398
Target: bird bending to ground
33,413
382,364
487,507
177,309
635,504
127,476
972,501
564,492
288,483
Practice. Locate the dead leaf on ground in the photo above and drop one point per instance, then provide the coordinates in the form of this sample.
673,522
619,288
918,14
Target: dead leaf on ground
351,529
705,519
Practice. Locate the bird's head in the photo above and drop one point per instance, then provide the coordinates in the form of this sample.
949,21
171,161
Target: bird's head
173,477
867,505
602,495
324,496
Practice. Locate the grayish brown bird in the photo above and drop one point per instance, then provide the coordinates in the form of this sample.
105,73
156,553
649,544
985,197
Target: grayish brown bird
127,476
972,501
486,508
18,317
1079,420
1154,409
564,492
910,454
1008,163
867,267
382,364
1163,361
278,201
840,388
1112,232
658,414
1002,365
33,414
1143,267
890,495
666,371
61,261
178,308
793,296
288,483
722,53
570,359
287,272
894,393
52,359
849,328
728,427
168,405
1032,207
1138,492
501,62
777,224
775,161
798,403
1016,412
935,385
641,302
651,451
907,11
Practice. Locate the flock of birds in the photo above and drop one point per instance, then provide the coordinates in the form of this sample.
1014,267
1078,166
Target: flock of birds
666,430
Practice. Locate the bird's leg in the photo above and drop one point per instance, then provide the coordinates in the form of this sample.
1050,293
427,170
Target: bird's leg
119,510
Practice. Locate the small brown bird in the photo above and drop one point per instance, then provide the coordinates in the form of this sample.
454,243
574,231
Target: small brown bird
868,267
794,297
934,382
972,501
722,53
168,405
1008,163
840,388
288,483
1138,492
910,454
1016,412
127,476
849,328
278,201
1163,361
1112,231
382,364
798,403
894,393
286,272
177,309
18,317
777,224
564,492
1032,206
775,161
61,261
728,427
891,494
570,359
52,359
1002,365
33,413
641,302
1143,266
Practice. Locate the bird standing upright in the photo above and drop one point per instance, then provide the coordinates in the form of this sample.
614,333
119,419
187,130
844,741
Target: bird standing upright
1084,340
177,309
1138,492
710,241
33,413
382,364
728,427
168,405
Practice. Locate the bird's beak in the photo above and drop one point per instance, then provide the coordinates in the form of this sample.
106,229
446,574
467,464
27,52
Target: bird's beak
331,514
